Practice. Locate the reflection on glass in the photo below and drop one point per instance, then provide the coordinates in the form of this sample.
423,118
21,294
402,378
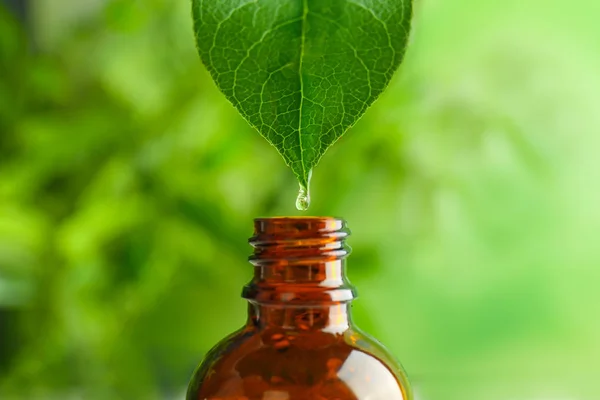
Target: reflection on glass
368,378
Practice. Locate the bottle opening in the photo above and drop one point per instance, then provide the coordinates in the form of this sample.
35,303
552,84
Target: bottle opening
288,241
294,226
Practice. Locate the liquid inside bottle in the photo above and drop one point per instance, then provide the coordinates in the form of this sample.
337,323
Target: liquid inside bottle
299,342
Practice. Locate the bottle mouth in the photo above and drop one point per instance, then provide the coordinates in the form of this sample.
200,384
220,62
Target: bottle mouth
296,227
292,238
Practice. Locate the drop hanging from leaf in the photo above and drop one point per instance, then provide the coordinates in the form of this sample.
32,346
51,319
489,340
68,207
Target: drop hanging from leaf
303,199
302,71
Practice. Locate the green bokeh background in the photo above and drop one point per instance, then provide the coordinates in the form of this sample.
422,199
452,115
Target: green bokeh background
128,186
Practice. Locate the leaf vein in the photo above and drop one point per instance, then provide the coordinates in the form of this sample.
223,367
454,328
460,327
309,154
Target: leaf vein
300,63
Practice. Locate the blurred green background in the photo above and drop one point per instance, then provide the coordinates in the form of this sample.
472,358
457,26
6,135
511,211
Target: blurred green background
128,186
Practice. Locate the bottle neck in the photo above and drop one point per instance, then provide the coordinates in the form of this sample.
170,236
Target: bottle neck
330,318
299,280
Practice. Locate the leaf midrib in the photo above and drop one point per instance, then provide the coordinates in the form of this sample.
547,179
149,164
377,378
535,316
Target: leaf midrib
300,62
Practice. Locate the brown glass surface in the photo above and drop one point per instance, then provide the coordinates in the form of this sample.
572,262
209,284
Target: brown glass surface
299,342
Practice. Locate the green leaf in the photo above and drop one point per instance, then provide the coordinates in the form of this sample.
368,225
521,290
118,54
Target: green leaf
302,71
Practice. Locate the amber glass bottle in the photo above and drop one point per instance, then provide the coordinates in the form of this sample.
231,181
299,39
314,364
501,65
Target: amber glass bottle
299,342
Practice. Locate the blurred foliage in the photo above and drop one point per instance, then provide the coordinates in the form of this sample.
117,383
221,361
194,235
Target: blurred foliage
128,186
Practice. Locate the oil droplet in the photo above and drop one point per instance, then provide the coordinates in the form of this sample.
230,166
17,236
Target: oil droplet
303,199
